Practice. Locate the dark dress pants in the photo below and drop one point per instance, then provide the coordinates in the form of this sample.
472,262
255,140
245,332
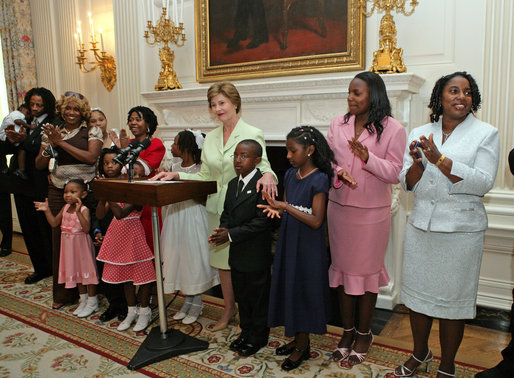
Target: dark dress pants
5,219
37,234
253,9
251,290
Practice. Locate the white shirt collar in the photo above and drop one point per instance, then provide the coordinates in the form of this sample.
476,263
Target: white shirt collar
248,177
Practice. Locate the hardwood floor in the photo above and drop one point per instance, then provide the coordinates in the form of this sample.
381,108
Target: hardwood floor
480,346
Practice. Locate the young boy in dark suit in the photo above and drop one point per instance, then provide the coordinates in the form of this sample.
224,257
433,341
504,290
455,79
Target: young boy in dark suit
249,232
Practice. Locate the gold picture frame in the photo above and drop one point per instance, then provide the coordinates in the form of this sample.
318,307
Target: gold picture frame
342,48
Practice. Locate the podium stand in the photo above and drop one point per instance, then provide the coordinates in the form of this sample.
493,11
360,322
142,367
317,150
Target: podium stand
160,343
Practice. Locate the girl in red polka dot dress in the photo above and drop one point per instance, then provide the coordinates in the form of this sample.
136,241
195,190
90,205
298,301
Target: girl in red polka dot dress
128,259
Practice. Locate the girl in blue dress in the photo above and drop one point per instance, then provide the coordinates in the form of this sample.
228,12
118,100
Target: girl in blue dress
299,298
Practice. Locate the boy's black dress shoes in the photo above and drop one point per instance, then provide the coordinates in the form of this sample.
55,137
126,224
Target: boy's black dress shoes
237,343
249,349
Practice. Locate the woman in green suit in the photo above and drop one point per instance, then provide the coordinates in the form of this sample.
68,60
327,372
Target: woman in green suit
217,165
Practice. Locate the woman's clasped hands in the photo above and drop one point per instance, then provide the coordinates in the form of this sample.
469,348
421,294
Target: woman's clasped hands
53,133
428,147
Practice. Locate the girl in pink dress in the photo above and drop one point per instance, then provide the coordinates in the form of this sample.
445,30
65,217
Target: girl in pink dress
128,258
77,266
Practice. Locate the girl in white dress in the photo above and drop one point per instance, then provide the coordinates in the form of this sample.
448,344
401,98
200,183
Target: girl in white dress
184,236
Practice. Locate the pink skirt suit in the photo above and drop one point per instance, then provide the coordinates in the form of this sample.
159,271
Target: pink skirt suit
359,217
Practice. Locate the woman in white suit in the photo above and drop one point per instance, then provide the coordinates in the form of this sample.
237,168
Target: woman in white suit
449,165
217,165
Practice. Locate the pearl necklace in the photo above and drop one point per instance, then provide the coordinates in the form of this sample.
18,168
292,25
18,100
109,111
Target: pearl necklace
302,177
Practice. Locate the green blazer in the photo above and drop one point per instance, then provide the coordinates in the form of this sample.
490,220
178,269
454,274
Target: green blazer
218,163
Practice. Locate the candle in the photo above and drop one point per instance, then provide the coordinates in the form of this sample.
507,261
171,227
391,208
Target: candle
102,39
145,10
152,8
77,39
181,11
175,11
91,27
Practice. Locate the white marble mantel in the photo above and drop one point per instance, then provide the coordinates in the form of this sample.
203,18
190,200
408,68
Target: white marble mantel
278,106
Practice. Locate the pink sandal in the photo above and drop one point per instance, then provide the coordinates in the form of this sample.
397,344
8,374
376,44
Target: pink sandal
344,352
360,356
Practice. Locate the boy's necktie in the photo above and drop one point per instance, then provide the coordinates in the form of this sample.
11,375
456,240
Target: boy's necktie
240,185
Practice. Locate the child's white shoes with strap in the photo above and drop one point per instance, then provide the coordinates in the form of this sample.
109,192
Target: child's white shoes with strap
131,318
145,314
90,308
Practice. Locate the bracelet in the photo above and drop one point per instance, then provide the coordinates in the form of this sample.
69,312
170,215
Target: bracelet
438,163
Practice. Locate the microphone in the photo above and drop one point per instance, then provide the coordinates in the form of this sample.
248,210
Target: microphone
122,156
136,151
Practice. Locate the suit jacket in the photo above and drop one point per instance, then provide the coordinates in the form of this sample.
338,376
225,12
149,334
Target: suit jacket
218,163
249,227
440,205
511,161
37,184
374,177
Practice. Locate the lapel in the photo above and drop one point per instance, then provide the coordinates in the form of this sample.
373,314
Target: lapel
234,136
249,190
456,136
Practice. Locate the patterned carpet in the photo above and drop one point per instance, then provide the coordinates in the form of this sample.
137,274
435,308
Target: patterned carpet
38,342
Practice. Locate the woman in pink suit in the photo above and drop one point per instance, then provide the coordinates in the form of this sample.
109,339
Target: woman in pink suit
368,145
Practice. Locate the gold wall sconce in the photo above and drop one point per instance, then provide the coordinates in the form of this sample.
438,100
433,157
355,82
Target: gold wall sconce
103,61
168,29
388,57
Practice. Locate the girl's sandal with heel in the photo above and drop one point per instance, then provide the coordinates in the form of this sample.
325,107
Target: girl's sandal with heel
344,352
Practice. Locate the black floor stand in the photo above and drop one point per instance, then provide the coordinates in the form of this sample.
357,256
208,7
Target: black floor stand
162,343
155,348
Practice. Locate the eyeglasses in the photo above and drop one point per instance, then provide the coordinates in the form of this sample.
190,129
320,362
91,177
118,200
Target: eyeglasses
73,94
241,157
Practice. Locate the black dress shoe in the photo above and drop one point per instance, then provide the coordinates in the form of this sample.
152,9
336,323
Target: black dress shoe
285,350
248,349
289,364
109,314
35,277
256,42
5,252
237,343
122,315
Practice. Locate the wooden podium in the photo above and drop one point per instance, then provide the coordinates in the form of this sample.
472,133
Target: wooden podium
160,343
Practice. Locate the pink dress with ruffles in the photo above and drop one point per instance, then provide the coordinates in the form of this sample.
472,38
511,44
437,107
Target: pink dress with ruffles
77,263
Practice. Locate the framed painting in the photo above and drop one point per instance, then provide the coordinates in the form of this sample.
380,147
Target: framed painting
246,39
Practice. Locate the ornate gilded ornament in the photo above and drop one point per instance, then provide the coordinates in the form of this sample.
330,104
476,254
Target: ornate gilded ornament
166,32
388,58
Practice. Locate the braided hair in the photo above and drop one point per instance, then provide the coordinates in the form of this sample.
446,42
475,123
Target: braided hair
323,156
435,99
379,105
79,182
148,116
105,151
187,142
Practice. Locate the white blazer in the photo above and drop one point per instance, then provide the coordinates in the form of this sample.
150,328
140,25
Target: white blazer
440,205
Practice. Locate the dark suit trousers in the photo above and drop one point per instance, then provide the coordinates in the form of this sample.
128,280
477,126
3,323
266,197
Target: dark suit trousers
37,233
254,9
251,290
5,218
